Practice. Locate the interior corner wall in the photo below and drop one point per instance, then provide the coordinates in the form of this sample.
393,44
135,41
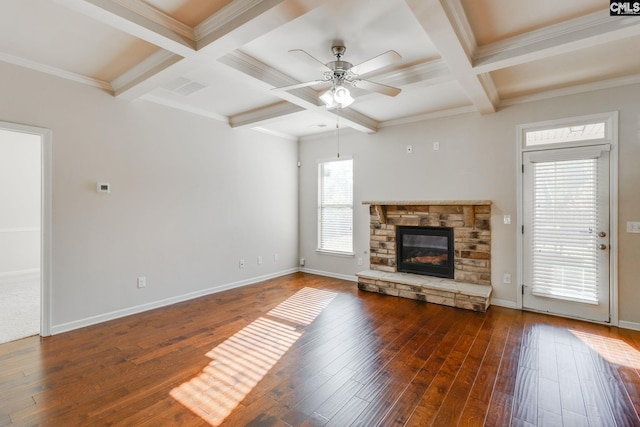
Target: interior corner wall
189,198
476,161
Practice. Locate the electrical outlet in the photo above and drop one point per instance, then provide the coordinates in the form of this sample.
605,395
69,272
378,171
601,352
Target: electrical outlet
241,263
276,258
409,149
142,282
507,219
507,278
436,146
259,259
360,261
302,261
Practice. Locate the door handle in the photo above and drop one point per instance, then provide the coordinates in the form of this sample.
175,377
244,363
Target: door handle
602,247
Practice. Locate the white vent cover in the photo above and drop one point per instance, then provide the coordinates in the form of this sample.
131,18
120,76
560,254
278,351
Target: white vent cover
183,86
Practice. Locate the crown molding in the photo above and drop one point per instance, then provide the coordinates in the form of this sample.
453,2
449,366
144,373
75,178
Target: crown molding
355,120
275,133
429,116
150,66
187,108
152,14
489,87
232,11
458,19
263,116
53,71
240,61
425,73
589,30
123,15
572,90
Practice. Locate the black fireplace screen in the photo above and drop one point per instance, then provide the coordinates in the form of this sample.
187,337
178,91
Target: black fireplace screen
425,250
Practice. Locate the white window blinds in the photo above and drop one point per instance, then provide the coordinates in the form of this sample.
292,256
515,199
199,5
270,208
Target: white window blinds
564,235
335,206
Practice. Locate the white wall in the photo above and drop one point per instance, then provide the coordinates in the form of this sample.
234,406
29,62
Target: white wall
189,198
20,201
477,160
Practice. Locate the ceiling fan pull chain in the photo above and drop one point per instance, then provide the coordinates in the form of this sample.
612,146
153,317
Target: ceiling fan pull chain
338,128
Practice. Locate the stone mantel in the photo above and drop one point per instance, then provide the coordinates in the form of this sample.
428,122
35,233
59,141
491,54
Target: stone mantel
430,203
381,207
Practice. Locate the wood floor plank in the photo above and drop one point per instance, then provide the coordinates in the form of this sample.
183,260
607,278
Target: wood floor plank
500,408
426,411
364,360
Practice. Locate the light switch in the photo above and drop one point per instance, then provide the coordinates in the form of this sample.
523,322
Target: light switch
633,227
507,219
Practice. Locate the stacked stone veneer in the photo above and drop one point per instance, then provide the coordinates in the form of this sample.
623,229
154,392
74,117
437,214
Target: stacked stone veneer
471,223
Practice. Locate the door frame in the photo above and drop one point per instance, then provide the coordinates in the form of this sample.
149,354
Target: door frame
45,219
611,137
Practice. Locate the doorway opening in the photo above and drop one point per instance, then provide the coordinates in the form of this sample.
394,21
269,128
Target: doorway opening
24,231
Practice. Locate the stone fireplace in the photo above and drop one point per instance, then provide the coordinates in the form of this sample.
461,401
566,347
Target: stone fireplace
470,222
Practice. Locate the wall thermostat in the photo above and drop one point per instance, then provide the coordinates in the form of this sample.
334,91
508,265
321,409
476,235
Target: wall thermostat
104,187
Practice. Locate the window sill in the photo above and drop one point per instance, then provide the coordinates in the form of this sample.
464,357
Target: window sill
335,253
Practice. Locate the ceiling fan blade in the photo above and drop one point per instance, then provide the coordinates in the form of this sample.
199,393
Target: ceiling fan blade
309,60
382,60
377,87
299,85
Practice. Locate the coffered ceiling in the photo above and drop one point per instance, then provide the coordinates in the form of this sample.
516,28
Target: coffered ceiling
223,58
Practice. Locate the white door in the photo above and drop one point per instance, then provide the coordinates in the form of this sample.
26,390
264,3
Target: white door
566,232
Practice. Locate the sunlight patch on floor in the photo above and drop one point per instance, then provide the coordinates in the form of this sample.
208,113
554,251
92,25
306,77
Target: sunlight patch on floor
612,350
241,361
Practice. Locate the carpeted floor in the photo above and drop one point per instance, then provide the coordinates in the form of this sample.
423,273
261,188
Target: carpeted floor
19,310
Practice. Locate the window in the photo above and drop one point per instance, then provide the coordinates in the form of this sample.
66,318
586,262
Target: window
335,206
582,132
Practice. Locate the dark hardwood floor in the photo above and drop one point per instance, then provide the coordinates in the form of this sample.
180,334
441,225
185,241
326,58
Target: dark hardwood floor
305,350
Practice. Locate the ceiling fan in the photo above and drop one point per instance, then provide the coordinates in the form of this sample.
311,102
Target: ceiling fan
341,73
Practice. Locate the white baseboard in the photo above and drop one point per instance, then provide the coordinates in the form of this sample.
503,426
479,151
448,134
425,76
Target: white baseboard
504,303
629,325
19,276
329,274
77,324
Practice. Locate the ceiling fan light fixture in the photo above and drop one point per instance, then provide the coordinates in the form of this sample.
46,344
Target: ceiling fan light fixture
327,98
337,97
343,97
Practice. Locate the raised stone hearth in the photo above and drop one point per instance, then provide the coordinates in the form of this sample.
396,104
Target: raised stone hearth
425,288
471,223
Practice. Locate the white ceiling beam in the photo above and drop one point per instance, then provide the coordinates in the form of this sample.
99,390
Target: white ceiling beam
271,78
448,29
151,26
264,116
242,21
306,98
157,69
425,73
587,31
184,107
355,120
228,29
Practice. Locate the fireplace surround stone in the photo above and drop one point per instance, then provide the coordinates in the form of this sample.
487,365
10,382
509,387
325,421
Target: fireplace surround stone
471,223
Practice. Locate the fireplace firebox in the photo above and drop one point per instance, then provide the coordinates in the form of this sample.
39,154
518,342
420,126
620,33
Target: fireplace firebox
425,250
